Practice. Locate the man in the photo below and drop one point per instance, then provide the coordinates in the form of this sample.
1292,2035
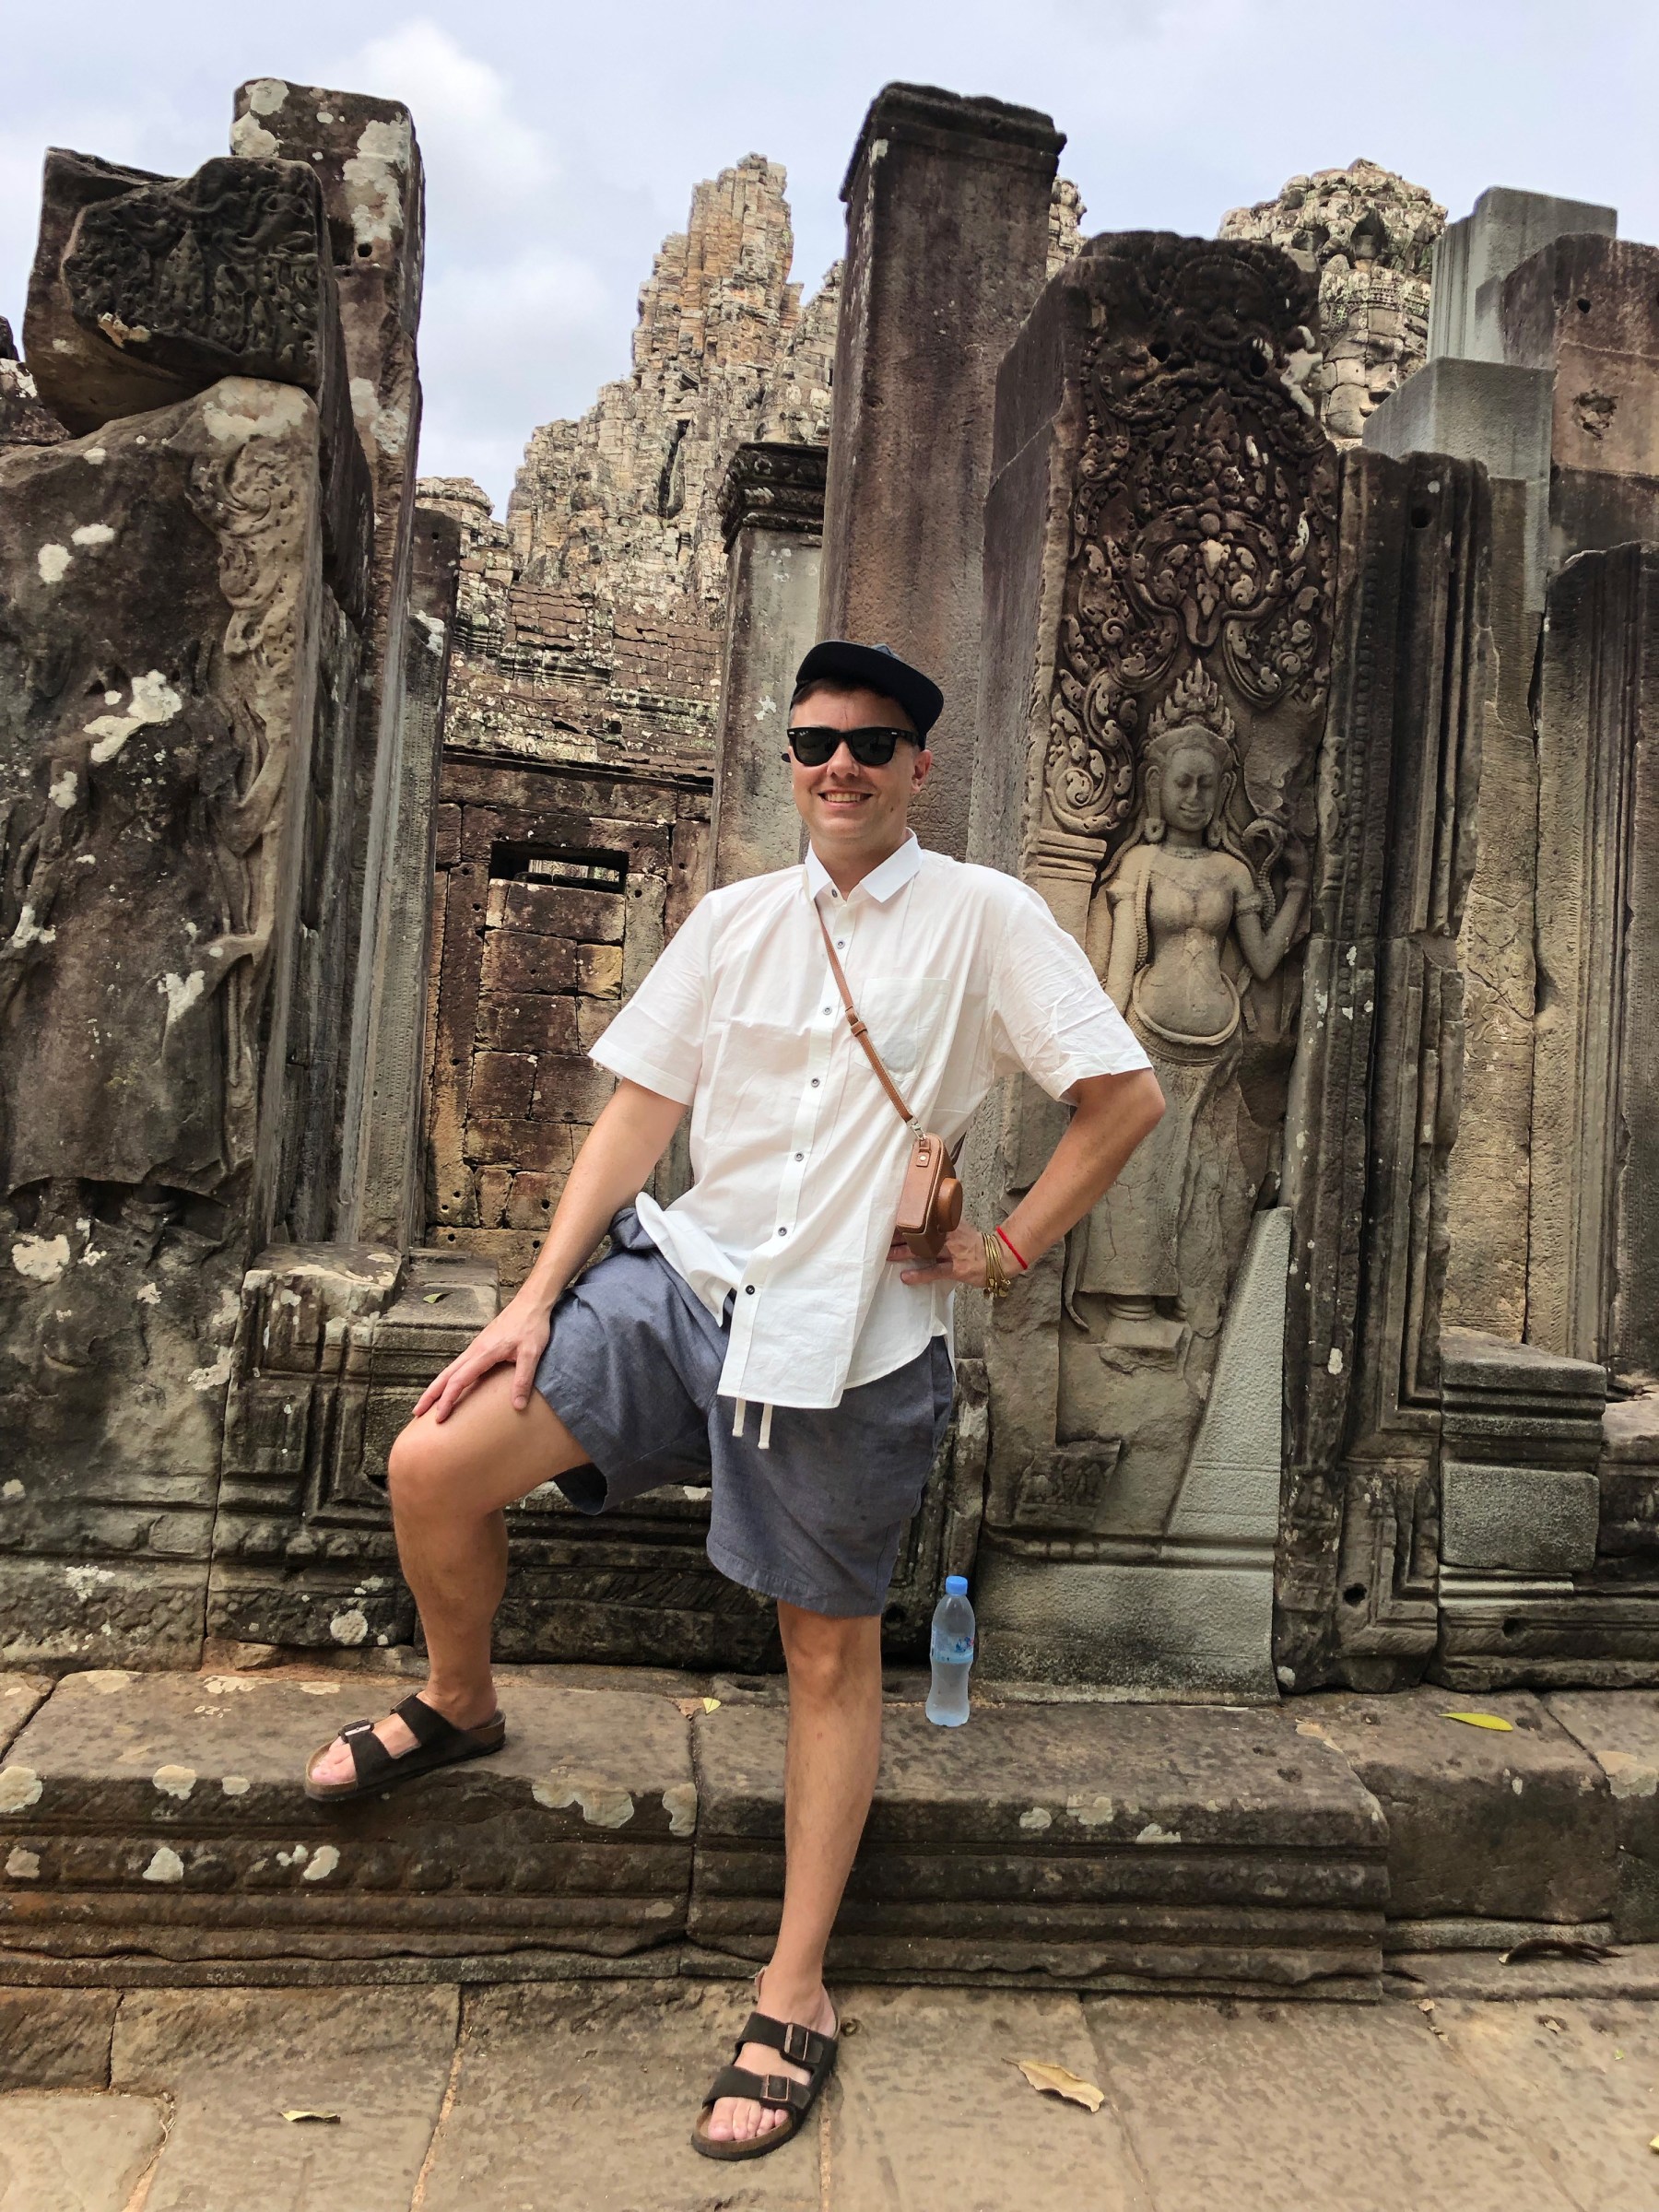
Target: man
767,1331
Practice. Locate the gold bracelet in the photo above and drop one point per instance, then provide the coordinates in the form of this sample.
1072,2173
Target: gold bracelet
997,1281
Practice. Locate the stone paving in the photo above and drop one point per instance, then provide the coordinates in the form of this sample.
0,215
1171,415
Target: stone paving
532,2097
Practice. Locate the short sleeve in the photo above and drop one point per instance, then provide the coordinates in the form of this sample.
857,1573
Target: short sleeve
1049,1014
657,1037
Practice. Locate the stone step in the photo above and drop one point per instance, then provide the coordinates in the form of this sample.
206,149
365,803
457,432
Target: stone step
1130,1843
153,1829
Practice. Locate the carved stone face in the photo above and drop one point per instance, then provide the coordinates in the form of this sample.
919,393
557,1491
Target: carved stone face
1190,789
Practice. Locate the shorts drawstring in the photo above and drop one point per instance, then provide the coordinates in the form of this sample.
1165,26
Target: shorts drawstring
742,1415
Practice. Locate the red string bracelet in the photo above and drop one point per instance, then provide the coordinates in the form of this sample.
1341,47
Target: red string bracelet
1009,1242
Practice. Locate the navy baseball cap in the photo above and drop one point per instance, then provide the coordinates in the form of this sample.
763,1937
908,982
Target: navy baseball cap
877,668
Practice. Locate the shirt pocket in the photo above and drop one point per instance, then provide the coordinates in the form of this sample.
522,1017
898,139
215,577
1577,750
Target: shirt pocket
906,1018
751,1088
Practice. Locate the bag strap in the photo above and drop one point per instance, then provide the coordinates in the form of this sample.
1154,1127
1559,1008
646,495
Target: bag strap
862,1035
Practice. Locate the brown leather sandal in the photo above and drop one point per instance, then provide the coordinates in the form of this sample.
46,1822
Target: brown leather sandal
438,1743
779,2092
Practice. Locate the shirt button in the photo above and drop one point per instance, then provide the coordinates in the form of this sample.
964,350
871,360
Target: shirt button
800,1154
782,1232
748,1289
815,1082
841,944
826,1010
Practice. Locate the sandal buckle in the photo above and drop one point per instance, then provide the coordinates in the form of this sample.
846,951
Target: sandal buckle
797,2044
778,2087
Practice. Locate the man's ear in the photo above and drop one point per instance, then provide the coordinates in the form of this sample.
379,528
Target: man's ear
922,762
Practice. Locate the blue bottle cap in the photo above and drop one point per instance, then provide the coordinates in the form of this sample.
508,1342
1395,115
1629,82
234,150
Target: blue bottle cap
956,1585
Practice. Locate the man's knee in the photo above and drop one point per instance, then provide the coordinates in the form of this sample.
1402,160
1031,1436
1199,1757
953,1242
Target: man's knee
420,1468
828,1656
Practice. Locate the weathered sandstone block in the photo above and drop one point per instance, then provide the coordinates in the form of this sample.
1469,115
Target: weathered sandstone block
165,633
147,288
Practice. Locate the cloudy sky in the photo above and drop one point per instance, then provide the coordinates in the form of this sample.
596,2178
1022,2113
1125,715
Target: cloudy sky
562,141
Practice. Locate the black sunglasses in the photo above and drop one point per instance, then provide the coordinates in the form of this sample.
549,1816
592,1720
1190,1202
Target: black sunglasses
870,748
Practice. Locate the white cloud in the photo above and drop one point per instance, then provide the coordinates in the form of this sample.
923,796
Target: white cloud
478,152
562,142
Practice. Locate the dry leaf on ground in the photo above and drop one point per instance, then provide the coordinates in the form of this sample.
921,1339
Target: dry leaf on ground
711,1704
1059,2081
1481,1720
299,2112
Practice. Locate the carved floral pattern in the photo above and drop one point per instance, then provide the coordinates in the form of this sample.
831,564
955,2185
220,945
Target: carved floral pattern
227,260
1204,514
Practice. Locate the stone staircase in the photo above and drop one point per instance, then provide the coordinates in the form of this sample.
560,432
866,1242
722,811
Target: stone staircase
153,1832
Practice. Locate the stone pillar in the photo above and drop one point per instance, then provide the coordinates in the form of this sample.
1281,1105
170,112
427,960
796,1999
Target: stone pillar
1593,1279
391,1199
1479,398
1583,313
1473,257
364,155
1159,560
1520,1505
169,645
948,236
1374,1105
771,506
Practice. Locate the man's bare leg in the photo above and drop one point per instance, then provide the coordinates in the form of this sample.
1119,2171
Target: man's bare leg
449,1482
830,1778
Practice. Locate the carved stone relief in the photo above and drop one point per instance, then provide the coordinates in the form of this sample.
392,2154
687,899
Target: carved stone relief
1194,652
160,640
145,289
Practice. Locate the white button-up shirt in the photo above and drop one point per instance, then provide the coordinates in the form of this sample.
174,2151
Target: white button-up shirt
961,974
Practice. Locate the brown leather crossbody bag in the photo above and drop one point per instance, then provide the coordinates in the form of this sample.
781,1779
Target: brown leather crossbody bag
930,1204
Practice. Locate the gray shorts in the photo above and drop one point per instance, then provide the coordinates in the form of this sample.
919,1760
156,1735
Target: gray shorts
632,1369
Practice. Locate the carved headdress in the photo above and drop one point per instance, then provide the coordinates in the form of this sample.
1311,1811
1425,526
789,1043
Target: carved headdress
1193,713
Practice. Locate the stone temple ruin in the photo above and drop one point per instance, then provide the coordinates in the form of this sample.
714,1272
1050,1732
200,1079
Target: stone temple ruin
339,816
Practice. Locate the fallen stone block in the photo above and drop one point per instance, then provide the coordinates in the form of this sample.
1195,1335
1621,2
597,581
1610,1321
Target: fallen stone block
148,289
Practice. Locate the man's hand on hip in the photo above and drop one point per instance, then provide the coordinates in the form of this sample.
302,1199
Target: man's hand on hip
962,1262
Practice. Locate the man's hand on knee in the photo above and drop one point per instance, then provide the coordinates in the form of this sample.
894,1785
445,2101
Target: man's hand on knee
516,1338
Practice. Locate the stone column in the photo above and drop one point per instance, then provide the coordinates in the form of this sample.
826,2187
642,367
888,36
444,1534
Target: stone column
771,507
364,155
1594,1279
1478,399
1375,1103
1472,259
948,236
168,789
1161,546
391,1200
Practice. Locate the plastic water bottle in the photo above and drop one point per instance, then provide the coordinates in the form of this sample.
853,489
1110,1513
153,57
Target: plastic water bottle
952,1655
